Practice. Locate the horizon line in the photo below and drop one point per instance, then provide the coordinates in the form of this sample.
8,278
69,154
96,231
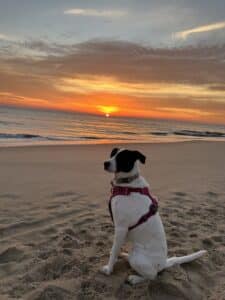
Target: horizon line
21,107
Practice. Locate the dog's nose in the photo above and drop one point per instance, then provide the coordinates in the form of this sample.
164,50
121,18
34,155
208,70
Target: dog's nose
106,165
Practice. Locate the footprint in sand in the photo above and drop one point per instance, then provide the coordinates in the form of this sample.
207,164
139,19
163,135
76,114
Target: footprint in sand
9,196
94,287
73,196
68,241
207,242
212,194
169,291
49,231
50,269
193,235
180,194
64,194
11,254
46,253
52,292
218,238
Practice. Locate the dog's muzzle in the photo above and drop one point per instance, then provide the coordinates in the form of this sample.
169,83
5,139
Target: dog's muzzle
106,165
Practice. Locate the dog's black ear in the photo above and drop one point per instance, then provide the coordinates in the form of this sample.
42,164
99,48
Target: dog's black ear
114,151
140,157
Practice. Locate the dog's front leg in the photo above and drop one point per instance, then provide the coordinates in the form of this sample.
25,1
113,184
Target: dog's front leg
119,239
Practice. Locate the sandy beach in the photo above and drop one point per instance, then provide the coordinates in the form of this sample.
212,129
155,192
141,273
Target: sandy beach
56,233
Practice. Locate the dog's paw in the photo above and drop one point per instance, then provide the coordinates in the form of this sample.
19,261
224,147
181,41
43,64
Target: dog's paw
134,279
106,270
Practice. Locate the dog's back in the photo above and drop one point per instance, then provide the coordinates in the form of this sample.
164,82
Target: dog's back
150,235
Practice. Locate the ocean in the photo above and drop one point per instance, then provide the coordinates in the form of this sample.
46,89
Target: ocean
24,127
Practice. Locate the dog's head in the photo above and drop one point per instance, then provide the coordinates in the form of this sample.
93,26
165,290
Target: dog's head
123,160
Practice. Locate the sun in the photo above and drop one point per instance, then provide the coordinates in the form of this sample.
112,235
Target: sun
107,110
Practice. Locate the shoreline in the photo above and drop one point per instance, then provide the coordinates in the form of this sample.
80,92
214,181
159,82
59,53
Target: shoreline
86,144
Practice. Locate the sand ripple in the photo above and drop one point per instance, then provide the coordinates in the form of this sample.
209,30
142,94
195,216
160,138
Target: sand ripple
57,255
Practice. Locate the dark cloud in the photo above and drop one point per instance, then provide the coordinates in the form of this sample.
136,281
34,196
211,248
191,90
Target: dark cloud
218,87
46,47
128,62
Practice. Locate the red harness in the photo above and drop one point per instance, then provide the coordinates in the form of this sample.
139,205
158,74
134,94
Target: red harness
125,191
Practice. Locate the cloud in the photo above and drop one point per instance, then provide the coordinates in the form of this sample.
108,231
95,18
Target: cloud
124,62
12,99
46,47
119,73
206,28
94,84
130,62
95,13
5,37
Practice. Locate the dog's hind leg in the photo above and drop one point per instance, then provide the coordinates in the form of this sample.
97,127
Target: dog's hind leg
143,266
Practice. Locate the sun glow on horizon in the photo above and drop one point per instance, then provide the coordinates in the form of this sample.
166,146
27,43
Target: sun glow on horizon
107,110
109,96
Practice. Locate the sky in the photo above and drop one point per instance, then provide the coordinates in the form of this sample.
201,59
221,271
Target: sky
154,59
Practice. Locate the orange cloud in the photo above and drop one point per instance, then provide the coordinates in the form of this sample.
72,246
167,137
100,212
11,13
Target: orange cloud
92,84
121,105
120,78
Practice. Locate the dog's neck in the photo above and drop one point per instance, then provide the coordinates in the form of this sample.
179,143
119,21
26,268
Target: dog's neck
128,179
132,178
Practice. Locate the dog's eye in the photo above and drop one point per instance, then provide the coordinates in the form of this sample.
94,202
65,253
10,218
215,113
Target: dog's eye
114,151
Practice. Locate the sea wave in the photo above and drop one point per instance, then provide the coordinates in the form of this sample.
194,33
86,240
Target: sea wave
27,136
35,137
160,133
191,133
200,133
129,132
6,123
104,138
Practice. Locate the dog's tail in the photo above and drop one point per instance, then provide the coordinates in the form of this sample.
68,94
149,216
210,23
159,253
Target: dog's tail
183,259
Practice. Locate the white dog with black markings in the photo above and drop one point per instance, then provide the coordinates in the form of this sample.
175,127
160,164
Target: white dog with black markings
134,213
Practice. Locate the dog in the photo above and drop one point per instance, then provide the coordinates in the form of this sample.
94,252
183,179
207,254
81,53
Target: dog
136,218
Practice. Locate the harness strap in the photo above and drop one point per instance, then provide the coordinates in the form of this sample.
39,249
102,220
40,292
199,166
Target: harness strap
125,191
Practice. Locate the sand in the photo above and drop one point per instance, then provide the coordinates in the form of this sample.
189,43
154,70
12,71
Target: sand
56,233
